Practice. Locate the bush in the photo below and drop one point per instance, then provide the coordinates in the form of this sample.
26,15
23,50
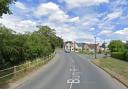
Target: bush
118,55
126,56
16,48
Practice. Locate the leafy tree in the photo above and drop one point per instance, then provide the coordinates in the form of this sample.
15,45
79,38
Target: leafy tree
4,6
16,48
116,46
119,50
126,46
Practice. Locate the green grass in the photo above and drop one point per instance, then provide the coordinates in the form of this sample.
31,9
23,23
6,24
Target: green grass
118,67
11,78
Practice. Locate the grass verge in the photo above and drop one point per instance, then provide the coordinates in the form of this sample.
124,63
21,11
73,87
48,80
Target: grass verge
21,71
116,68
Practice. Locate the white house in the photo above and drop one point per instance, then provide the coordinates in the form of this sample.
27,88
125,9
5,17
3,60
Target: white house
73,46
69,46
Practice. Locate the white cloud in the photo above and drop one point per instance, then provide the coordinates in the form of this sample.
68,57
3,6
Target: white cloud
105,32
123,32
107,22
54,13
117,35
113,15
75,19
74,35
84,37
80,3
79,31
51,10
47,9
18,24
89,21
26,25
69,32
92,29
20,5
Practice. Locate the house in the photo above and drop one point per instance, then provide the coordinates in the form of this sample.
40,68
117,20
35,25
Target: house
79,46
73,46
69,45
76,47
91,47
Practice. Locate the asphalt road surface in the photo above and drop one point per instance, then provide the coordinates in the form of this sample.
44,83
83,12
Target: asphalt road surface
70,71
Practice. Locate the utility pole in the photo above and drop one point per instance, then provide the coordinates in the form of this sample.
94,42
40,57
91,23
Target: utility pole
95,47
104,46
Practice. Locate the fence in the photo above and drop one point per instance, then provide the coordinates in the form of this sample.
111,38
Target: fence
20,70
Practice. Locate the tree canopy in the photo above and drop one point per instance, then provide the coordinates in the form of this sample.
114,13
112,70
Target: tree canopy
119,50
16,48
4,6
116,46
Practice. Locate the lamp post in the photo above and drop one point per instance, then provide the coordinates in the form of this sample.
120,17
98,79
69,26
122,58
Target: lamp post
95,47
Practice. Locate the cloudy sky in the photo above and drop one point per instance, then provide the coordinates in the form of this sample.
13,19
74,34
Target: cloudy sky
75,20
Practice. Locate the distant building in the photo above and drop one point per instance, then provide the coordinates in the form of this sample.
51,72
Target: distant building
80,46
73,46
91,47
69,45
76,47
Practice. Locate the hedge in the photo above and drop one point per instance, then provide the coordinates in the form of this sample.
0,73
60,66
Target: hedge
118,55
126,56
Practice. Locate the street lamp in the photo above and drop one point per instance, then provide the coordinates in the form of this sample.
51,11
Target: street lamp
95,47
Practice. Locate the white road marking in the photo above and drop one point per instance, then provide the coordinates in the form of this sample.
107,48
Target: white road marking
76,81
69,81
70,86
74,70
75,75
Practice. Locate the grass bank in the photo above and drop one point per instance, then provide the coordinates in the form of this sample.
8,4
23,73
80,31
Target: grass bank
116,68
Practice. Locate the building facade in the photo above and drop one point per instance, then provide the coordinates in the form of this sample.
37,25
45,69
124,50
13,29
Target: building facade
76,47
69,46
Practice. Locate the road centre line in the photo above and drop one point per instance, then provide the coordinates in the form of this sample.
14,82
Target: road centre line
75,77
70,86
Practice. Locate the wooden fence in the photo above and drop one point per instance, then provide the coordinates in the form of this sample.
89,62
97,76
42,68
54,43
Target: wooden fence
20,70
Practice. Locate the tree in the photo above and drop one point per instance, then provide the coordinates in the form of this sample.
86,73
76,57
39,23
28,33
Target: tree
104,46
126,46
16,48
4,6
116,46
51,36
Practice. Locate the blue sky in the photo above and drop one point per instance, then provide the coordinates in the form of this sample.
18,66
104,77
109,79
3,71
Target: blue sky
75,20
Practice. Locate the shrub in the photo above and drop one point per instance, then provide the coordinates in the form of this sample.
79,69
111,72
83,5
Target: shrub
118,55
126,56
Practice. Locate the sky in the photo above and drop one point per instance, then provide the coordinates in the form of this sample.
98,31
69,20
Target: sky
73,20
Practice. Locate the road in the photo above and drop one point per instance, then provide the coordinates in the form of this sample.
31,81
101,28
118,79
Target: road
70,71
